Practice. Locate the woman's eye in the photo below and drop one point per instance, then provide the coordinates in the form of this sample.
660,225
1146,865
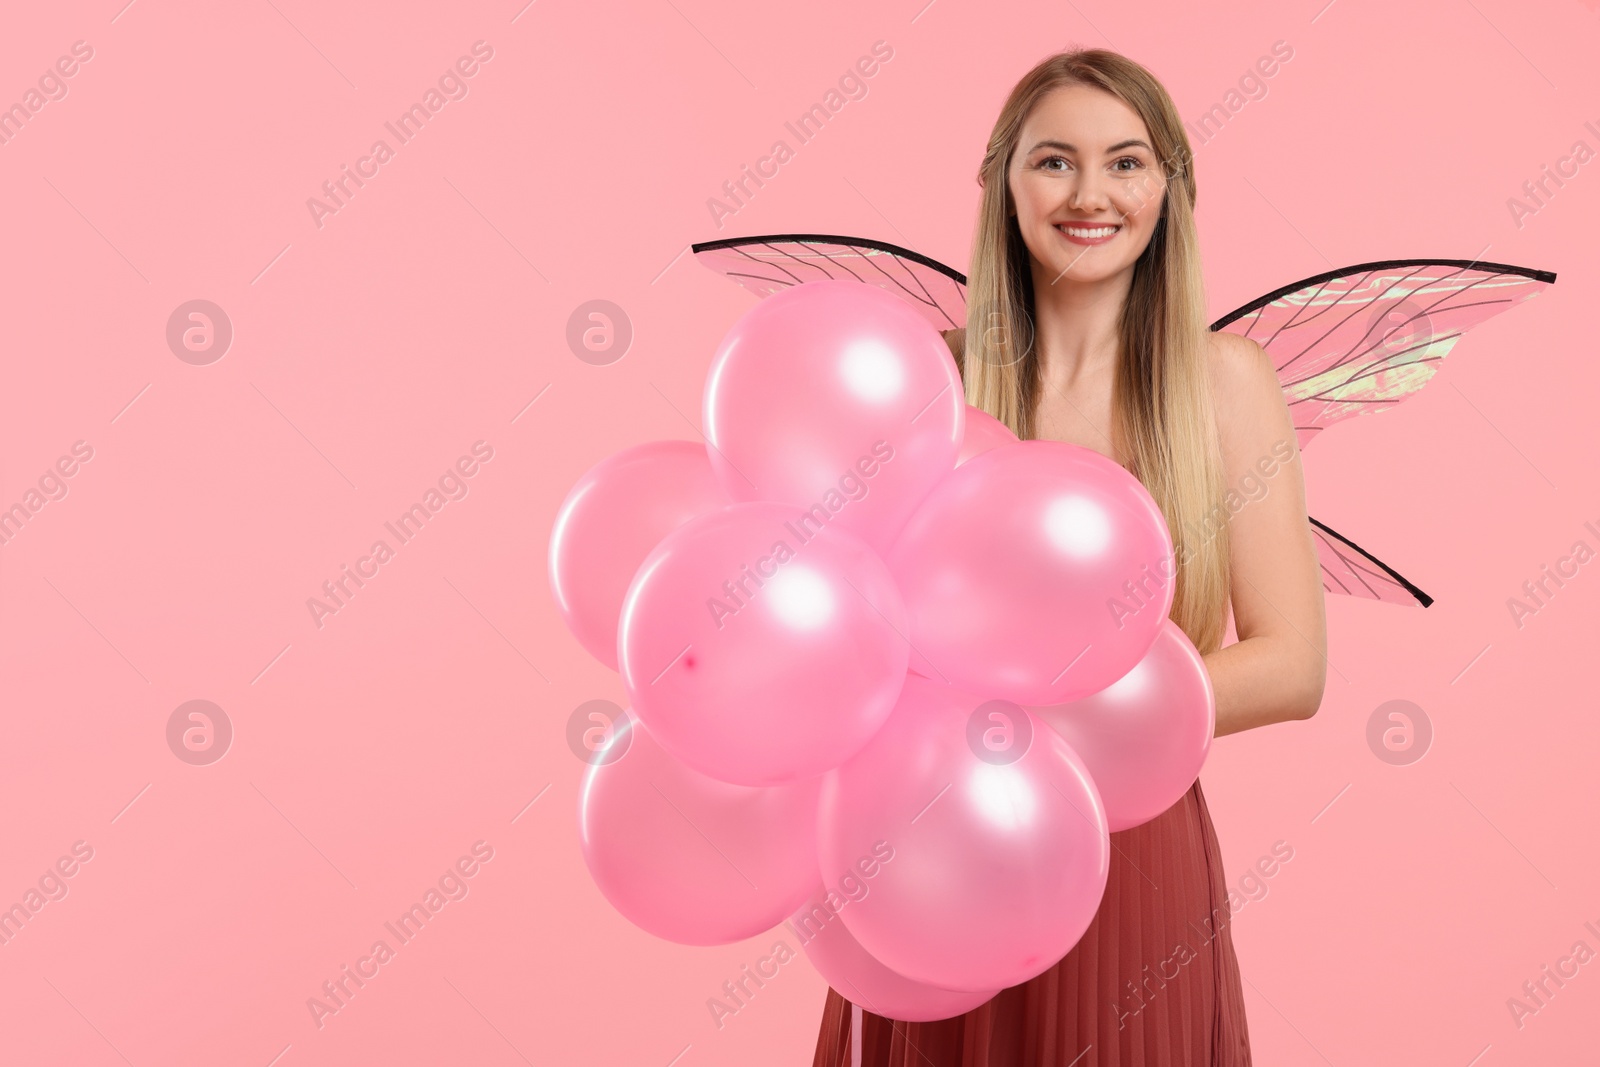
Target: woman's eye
1045,163
1136,163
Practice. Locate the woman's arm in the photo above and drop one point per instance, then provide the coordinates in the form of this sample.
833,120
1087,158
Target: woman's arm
1277,669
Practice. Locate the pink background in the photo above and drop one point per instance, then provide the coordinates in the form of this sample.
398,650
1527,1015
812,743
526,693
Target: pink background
426,314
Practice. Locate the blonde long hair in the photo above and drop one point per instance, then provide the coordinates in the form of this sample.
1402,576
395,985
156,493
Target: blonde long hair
1163,419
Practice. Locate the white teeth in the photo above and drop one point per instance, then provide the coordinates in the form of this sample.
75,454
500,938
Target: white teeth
1083,231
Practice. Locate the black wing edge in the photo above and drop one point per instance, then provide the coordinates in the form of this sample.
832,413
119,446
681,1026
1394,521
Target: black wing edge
833,239
1546,276
1422,598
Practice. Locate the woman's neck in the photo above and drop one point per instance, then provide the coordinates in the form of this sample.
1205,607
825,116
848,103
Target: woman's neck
1076,325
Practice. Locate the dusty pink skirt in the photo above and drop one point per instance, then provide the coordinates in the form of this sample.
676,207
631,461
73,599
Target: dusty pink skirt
1153,983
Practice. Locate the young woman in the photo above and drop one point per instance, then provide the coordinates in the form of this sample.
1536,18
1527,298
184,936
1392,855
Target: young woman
1087,324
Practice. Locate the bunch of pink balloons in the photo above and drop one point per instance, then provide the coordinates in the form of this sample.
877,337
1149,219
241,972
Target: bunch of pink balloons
895,675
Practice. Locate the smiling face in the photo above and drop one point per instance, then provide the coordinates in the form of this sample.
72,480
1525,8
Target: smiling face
1087,185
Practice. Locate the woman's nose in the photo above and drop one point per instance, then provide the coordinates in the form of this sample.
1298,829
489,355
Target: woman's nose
1088,193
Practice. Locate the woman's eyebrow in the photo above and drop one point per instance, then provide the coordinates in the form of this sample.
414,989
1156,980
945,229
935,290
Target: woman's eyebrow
1065,147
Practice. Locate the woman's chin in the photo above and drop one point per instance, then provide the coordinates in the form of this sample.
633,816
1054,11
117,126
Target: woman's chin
1086,268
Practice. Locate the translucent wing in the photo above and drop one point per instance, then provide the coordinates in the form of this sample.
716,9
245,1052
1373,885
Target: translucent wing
765,265
1349,569
1362,339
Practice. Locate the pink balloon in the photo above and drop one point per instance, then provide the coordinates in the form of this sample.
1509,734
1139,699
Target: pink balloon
609,522
689,858
984,432
1038,571
860,979
1145,736
1000,843
759,648
837,397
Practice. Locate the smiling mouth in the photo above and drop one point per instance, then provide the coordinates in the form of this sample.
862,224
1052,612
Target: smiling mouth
1088,234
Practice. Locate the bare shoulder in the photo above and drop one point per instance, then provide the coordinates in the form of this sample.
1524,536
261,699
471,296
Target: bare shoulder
956,339
1244,382
1237,360
1253,419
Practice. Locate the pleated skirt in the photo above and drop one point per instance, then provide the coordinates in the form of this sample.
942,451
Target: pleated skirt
1154,981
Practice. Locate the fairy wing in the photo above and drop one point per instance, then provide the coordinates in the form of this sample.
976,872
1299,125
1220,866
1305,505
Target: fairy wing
1349,342
1349,569
1361,339
764,265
